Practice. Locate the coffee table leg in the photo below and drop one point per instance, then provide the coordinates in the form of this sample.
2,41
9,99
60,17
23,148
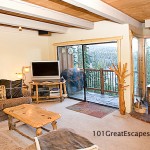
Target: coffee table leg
54,125
10,122
38,131
11,125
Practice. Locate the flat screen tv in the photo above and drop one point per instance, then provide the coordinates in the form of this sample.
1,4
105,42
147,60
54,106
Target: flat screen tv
45,70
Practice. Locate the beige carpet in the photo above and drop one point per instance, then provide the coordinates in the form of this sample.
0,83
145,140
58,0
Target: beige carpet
85,125
8,143
11,140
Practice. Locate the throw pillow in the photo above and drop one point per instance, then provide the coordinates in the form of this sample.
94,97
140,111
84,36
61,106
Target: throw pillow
16,89
13,88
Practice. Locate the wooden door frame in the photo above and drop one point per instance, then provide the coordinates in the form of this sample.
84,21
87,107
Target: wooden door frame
92,41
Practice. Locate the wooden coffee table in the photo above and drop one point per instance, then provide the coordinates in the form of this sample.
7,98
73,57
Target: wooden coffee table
32,115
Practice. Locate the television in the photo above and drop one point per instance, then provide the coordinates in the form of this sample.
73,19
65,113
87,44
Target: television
45,70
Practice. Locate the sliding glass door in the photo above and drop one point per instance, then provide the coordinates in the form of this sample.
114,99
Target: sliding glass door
71,65
135,53
86,69
101,82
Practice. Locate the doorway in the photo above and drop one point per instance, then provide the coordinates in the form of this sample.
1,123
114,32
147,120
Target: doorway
89,66
135,54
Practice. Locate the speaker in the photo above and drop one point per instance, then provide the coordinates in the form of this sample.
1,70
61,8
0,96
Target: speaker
42,32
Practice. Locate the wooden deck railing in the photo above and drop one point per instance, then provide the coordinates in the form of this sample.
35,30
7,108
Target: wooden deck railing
103,80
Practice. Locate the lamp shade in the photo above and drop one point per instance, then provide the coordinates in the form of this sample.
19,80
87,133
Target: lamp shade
26,69
19,75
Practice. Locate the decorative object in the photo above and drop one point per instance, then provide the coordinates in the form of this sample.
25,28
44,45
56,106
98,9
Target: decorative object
121,74
91,109
138,107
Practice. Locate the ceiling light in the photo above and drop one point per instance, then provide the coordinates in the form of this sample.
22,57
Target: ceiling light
20,28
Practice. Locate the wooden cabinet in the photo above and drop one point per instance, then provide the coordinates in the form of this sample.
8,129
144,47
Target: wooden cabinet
60,95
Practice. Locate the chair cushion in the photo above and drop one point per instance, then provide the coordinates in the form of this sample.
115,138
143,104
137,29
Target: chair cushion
63,139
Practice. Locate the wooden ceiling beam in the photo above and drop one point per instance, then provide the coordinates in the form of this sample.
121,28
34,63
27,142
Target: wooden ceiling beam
31,24
100,8
29,9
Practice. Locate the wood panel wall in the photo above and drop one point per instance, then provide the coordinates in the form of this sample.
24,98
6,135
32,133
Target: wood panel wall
138,9
65,59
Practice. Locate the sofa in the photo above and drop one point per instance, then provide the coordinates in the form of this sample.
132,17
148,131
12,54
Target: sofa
15,95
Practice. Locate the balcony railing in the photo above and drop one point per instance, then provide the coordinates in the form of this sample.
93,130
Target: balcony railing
102,80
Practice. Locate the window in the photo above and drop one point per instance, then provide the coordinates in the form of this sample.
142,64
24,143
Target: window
135,45
147,49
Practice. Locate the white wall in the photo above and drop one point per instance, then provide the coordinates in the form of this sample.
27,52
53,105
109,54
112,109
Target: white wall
146,33
103,29
19,48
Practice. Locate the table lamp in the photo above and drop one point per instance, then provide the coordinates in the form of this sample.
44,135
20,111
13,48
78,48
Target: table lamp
22,75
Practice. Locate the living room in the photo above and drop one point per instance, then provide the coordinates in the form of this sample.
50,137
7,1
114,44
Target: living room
21,47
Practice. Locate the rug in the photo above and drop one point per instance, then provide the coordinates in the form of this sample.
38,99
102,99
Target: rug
143,117
91,109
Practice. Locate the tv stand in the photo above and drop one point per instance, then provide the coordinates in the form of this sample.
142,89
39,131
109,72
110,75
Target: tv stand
61,95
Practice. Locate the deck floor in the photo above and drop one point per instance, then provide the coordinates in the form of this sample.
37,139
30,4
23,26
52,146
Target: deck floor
107,100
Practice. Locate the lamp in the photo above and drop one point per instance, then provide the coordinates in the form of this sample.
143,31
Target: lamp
22,75
19,75
26,69
20,28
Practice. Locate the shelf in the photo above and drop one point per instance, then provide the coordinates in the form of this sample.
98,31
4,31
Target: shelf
53,93
34,97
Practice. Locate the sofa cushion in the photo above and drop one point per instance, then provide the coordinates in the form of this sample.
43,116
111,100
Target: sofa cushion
13,88
16,101
16,89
